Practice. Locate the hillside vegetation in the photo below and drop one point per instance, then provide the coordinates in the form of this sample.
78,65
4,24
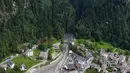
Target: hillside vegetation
25,20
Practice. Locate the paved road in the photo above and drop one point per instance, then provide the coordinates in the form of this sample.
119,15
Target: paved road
58,64
54,67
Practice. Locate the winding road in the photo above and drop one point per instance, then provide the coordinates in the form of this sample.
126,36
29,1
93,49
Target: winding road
58,64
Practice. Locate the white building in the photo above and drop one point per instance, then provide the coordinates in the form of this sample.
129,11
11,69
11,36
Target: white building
128,61
82,63
22,67
56,46
43,55
103,53
10,64
29,52
122,59
70,52
72,43
34,47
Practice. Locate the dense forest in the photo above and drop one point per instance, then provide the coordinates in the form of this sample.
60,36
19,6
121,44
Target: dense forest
25,20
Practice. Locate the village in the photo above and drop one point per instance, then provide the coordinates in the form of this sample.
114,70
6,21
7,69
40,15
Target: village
103,62
79,59
30,56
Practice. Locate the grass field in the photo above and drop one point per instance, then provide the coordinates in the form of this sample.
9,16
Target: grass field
102,45
24,60
21,60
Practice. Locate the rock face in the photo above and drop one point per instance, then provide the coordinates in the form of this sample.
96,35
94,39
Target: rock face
9,8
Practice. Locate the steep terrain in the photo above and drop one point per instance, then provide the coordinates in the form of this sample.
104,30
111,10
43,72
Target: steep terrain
25,20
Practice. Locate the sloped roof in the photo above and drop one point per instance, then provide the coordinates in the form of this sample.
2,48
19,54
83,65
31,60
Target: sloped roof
43,54
9,62
71,66
22,66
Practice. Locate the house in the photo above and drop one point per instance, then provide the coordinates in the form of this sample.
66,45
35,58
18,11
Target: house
104,67
10,64
22,67
56,46
78,65
81,46
122,58
123,70
93,65
69,67
23,49
115,61
43,55
96,66
124,64
89,57
72,43
82,63
70,60
34,47
70,52
128,61
29,52
111,56
103,53
4,66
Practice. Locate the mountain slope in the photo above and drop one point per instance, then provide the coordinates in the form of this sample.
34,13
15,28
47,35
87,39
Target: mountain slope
25,20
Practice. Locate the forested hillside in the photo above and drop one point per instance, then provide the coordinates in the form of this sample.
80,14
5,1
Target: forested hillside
25,20
104,19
